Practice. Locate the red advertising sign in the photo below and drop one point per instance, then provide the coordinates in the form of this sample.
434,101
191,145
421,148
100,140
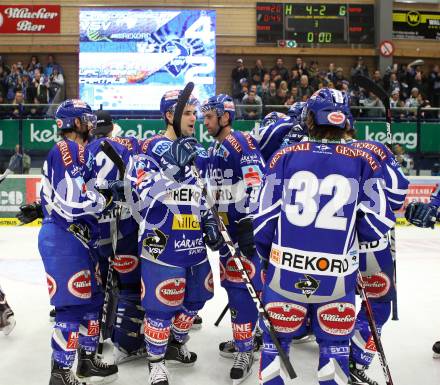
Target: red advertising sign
30,19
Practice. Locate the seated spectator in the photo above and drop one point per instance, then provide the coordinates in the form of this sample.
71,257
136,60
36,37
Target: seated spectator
395,102
290,100
252,107
258,72
18,110
304,89
339,75
331,72
394,84
263,88
280,72
270,98
405,160
301,66
33,65
294,78
238,73
319,81
49,66
313,70
413,102
294,94
56,82
377,78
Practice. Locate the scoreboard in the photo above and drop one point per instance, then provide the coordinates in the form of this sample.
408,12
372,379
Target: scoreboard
315,24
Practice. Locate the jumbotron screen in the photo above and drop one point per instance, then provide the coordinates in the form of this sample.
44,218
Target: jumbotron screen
129,58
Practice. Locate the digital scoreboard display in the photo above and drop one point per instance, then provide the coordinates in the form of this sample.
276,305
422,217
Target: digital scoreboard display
315,24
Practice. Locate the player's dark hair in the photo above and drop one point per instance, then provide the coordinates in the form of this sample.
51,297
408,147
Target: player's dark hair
326,131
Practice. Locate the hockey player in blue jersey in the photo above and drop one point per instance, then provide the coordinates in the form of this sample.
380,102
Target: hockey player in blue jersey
69,227
175,228
124,314
235,172
278,129
375,260
319,198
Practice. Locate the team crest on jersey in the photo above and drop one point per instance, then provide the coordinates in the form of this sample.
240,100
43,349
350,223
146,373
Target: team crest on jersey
232,272
125,263
51,285
286,317
155,243
337,318
80,284
323,148
377,285
308,286
171,292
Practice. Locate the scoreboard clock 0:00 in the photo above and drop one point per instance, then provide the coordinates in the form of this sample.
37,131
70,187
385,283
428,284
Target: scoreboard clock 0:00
315,23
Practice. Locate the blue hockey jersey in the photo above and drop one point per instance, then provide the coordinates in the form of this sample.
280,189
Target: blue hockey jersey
103,170
317,201
272,137
235,172
169,212
65,197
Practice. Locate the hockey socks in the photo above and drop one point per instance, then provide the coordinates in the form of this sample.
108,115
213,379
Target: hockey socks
89,332
156,333
65,338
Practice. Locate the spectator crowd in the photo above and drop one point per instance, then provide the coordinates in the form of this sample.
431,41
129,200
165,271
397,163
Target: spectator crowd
33,84
259,90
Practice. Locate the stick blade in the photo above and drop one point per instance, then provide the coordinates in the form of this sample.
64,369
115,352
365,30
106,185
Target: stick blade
180,106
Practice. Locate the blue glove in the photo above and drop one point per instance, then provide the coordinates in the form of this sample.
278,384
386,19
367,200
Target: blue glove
421,214
213,237
181,153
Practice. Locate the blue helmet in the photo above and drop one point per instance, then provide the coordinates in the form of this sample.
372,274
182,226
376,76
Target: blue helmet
328,108
295,111
220,104
169,101
72,109
272,117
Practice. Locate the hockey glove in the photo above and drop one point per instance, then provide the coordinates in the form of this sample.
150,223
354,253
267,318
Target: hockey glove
421,214
213,237
245,234
181,153
28,213
113,192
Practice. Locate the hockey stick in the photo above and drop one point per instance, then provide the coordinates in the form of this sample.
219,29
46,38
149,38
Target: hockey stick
181,103
222,314
374,332
108,149
373,87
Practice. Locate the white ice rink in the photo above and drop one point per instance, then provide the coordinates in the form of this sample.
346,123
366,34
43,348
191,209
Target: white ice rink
25,353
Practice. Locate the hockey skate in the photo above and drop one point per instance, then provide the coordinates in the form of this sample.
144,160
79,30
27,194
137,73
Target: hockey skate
436,350
359,376
121,356
52,315
177,354
227,348
63,376
159,374
7,320
94,371
197,323
242,367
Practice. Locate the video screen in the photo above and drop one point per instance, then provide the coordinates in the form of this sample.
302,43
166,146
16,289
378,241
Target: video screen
129,58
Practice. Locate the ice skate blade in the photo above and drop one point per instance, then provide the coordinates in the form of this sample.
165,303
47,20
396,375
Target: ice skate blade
240,380
178,364
435,355
95,380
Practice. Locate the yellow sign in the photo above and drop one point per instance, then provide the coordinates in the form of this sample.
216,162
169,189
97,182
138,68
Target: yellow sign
185,222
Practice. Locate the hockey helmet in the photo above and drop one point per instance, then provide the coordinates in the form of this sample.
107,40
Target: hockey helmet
72,109
272,117
220,104
170,98
104,123
328,108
